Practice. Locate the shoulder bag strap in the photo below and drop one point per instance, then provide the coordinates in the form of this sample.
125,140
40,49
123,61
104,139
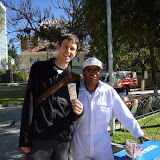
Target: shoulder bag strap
68,79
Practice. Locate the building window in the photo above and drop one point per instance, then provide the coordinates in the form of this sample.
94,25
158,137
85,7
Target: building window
75,59
34,59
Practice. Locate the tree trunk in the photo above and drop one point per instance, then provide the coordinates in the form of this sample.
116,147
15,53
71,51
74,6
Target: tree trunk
143,81
153,69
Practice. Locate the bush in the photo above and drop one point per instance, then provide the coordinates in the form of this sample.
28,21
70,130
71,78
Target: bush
5,76
3,84
17,76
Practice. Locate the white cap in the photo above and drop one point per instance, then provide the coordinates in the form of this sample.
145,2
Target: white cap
92,62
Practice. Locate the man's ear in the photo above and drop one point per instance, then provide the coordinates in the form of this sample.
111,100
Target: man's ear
83,72
76,53
58,46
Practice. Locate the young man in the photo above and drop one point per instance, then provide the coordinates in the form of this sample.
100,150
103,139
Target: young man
46,130
100,101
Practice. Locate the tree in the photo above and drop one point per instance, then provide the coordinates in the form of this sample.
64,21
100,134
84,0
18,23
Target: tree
51,30
25,67
135,26
137,23
88,21
30,20
12,51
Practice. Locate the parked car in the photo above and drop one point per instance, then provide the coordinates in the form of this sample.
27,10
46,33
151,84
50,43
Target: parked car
123,81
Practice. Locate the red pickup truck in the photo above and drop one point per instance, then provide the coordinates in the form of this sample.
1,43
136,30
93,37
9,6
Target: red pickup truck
122,80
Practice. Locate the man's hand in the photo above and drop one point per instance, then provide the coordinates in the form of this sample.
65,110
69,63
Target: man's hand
26,149
77,106
143,138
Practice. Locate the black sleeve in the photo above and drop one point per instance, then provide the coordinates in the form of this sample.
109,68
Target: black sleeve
27,112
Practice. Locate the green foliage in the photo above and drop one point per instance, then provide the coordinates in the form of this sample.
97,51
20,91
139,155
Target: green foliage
135,26
18,76
12,91
150,127
11,100
5,76
136,23
12,52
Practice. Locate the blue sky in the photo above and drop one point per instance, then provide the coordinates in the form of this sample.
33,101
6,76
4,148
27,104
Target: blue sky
42,4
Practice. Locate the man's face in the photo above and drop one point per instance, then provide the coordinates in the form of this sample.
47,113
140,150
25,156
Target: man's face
92,75
67,50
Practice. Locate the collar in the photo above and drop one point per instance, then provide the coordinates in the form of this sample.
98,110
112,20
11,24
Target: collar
65,71
84,87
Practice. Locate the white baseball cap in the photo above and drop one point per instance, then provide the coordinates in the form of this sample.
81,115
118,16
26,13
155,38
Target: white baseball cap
92,62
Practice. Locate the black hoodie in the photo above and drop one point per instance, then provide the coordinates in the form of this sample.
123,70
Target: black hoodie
52,119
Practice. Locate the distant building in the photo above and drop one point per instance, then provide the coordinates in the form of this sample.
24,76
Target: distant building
42,53
3,38
77,62
11,62
39,53
28,42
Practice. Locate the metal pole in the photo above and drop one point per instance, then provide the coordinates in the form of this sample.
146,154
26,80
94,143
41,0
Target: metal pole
11,75
109,31
110,55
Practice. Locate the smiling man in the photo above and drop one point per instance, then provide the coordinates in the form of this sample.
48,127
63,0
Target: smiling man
100,101
46,130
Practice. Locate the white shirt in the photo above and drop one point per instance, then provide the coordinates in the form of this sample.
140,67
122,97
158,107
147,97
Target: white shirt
91,138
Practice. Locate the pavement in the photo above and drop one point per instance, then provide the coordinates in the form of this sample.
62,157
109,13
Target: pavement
10,116
9,132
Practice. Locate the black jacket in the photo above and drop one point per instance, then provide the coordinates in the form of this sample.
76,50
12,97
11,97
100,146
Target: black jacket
53,117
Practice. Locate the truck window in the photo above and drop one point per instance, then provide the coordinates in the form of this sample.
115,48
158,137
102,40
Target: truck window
119,75
134,75
128,75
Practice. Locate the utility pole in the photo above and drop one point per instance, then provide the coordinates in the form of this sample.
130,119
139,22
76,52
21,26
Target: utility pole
110,55
109,31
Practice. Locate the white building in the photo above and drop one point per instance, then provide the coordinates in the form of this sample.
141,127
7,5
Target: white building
3,38
41,53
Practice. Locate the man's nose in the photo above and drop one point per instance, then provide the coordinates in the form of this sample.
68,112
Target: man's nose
68,49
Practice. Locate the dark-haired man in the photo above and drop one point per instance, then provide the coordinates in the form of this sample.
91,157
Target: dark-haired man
46,130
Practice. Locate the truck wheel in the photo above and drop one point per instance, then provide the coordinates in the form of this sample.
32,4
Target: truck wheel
125,90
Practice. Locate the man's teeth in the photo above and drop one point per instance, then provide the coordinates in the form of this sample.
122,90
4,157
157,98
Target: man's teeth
93,77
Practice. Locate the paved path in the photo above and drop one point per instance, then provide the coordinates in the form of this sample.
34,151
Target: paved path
9,135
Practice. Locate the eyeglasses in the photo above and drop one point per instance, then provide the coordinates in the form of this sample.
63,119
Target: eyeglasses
95,70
